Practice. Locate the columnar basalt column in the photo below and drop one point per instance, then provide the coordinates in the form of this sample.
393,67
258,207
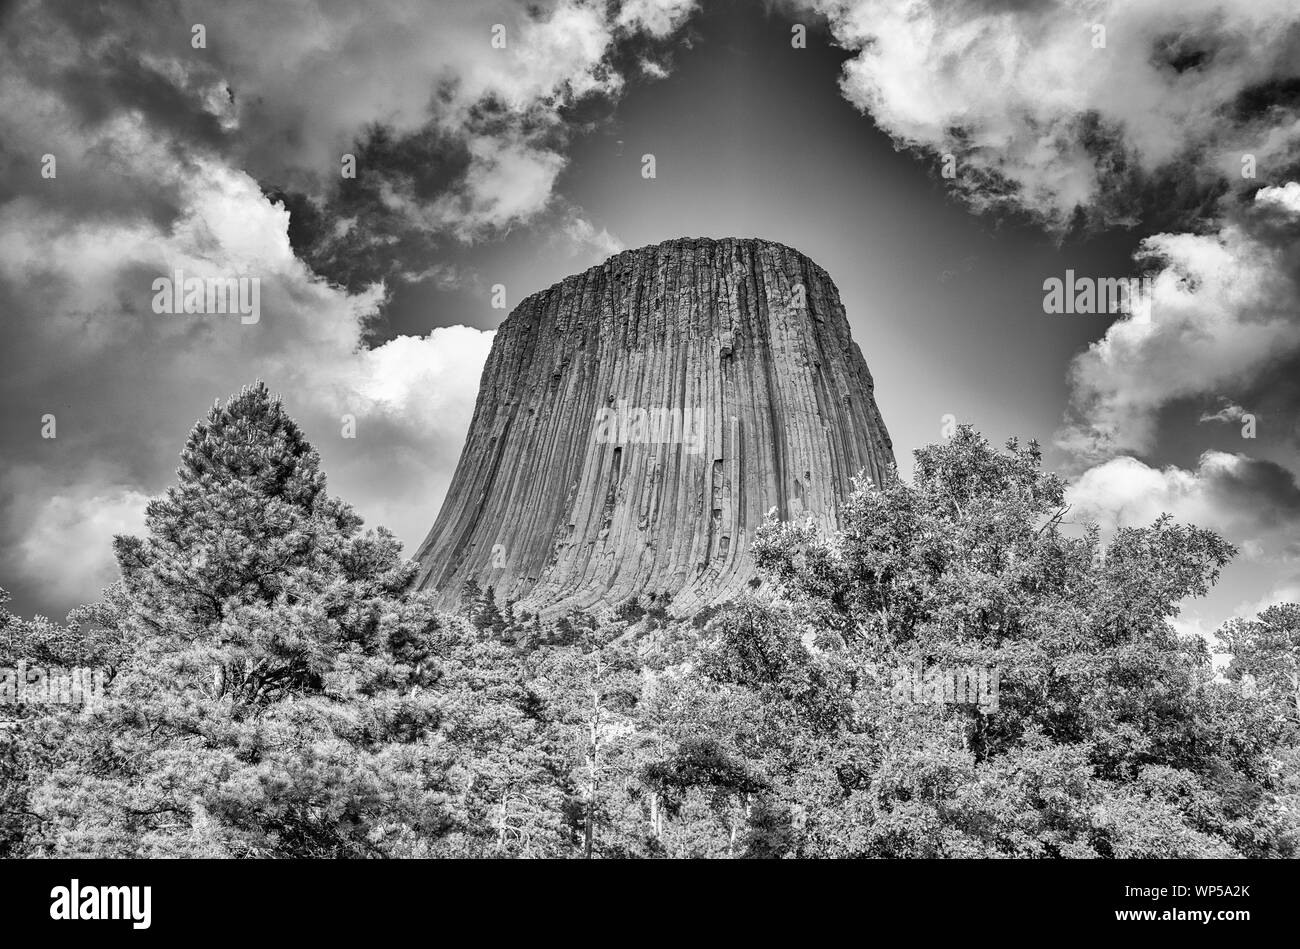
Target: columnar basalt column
635,422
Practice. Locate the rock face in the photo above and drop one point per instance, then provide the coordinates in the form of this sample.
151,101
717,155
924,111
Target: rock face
635,422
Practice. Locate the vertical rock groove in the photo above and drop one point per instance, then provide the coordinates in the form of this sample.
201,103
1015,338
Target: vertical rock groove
565,498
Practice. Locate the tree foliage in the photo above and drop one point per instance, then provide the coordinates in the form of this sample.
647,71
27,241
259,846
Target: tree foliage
279,688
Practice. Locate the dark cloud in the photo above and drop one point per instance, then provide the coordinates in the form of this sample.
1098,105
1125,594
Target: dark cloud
358,234
1273,99
1255,487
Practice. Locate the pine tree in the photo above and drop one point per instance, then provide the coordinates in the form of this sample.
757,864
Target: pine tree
470,594
275,706
487,616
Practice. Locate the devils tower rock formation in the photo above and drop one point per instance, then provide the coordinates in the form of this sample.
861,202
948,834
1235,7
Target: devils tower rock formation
635,422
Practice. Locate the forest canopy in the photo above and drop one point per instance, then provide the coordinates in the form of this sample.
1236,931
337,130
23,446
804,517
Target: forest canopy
956,672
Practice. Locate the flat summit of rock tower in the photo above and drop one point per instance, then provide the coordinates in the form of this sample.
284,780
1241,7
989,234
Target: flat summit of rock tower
636,421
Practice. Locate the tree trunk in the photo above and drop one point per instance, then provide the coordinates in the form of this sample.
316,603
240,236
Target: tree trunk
593,765
501,834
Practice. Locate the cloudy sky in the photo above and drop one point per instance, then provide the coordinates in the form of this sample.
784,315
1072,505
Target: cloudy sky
1114,138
